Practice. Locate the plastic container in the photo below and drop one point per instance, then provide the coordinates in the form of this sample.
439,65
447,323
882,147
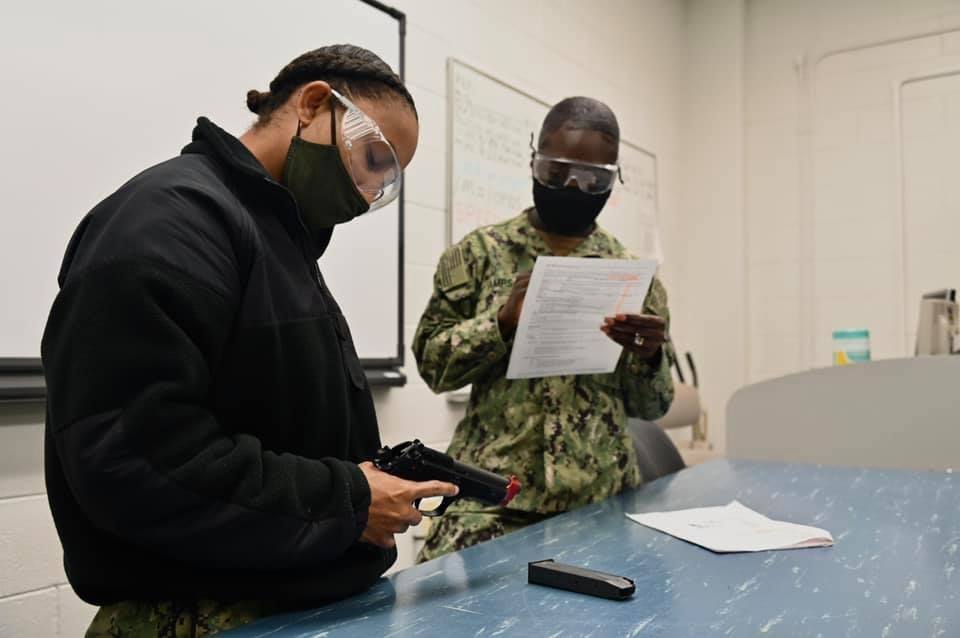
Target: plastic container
851,346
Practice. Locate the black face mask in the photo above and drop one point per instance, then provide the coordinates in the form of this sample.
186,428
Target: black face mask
567,211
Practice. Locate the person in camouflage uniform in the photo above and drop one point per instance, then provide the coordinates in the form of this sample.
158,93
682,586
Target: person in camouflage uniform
170,619
565,437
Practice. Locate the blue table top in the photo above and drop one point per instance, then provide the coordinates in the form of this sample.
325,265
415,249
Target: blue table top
891,573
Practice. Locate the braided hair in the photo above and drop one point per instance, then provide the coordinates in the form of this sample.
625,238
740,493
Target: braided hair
349,69
581,113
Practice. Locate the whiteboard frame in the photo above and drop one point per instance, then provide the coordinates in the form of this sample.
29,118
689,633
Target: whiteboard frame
21,378
451,63
397,361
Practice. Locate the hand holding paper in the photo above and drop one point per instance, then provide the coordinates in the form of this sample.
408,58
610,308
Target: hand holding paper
509,315
643,335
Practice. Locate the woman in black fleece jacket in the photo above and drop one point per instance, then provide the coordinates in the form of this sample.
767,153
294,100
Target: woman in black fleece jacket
209,427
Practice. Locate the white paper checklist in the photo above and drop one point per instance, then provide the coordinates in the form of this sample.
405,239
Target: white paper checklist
567,299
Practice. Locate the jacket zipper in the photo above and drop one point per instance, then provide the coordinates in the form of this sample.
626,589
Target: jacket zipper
311,263
304,238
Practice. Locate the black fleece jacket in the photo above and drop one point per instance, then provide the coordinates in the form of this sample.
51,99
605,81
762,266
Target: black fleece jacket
206,407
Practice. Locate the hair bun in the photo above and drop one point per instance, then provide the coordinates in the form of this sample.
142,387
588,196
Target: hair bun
256,100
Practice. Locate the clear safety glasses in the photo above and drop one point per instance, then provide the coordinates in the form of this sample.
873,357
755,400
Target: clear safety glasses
373,162
559,172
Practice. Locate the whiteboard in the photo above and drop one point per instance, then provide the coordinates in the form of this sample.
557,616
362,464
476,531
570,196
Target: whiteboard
490,126
98,90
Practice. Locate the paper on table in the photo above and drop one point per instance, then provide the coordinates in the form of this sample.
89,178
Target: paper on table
567,299
734,528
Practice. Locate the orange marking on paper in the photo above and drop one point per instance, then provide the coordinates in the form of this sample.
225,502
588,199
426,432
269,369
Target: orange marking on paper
623,295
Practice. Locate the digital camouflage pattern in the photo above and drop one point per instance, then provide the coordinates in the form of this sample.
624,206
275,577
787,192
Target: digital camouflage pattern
168,619
564,437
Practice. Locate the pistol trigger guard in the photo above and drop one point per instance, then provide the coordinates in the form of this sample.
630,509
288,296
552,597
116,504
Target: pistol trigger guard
429,513
444,504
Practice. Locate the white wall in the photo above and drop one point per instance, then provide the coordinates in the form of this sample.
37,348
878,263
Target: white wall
34,597
624,52
708,295
825,229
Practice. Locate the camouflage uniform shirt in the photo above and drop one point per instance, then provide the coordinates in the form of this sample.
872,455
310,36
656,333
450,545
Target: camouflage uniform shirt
565,437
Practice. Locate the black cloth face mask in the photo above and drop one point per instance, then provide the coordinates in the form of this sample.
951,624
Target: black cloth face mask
567,211
325,193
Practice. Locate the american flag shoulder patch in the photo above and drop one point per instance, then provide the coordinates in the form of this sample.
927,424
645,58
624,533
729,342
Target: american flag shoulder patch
453,270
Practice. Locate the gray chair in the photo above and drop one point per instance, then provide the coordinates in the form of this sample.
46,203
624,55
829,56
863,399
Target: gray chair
656,453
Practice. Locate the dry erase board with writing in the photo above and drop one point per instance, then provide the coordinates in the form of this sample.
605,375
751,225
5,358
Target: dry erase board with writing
490,124
107,88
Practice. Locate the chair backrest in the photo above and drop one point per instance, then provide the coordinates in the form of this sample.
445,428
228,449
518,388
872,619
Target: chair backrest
685,409
898,413
656,453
